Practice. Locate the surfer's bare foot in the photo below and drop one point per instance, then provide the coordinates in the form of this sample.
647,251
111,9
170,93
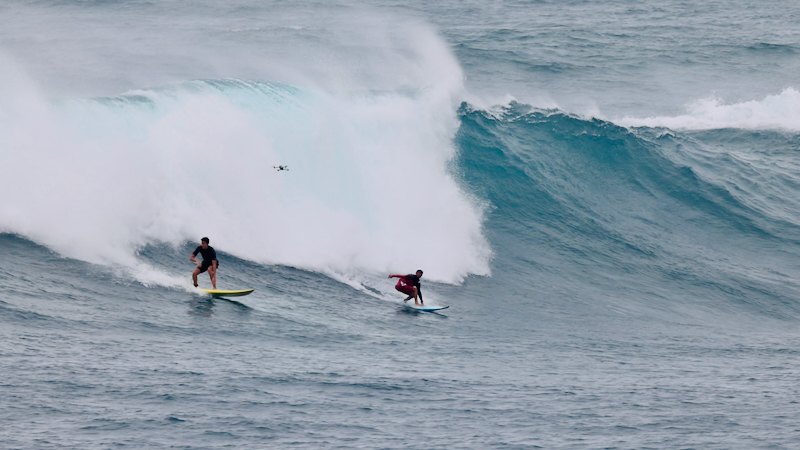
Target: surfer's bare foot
195,285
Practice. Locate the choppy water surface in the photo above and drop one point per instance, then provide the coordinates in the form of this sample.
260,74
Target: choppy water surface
604,194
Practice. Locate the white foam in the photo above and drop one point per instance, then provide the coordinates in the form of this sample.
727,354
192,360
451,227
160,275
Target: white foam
779,112
368,187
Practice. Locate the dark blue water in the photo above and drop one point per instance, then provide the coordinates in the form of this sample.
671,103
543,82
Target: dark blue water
605,195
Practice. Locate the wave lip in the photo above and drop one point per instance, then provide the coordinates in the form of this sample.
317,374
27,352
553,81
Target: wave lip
774,112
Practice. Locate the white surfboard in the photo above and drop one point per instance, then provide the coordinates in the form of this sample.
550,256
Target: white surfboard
425,308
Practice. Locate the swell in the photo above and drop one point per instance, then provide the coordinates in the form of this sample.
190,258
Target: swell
615,212
650,215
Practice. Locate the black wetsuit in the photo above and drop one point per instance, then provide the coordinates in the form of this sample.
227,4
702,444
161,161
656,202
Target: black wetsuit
208,255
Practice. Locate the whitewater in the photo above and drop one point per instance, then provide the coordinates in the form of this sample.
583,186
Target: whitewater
605,194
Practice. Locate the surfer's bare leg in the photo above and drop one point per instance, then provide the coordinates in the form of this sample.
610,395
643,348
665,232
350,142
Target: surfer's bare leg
194,276
212,273
416,294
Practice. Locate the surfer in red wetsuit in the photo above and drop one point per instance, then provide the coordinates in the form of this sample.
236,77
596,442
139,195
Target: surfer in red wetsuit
409,285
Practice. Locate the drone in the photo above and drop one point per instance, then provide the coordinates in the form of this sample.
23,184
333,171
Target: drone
280,168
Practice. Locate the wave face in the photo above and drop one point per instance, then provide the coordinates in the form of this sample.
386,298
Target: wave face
643,214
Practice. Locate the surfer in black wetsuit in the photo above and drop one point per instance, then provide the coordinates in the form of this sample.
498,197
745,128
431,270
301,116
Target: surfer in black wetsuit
409,285
209,262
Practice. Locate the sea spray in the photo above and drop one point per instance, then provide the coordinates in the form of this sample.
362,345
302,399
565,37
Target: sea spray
369,186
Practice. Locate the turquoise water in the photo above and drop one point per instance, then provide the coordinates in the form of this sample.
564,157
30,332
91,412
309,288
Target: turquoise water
604,193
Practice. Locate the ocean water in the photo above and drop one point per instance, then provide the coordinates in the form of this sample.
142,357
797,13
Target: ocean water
606,194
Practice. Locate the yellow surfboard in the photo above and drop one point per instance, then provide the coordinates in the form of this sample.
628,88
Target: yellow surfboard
221,293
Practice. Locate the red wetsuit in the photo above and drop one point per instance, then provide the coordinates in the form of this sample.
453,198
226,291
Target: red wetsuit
407,283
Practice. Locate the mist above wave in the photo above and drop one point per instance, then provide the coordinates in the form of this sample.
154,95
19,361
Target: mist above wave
368,147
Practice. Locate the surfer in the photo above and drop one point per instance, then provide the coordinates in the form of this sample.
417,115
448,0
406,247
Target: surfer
409,285
280,168
209,262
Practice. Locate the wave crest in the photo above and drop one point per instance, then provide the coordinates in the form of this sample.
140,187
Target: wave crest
774,112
